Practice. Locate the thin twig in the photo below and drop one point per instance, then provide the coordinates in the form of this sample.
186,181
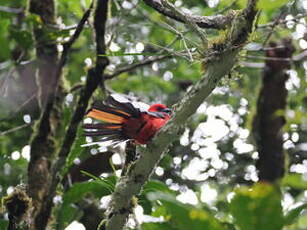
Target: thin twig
227,7
134,66
173,30
275,23
267,58
15,129
181,35
11,10
168,27
301,56
144,62
260,65
282,21
187,19
296,58
25,103
72,39
3,87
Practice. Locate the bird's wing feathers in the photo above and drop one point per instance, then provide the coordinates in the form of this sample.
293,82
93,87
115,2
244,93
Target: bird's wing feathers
126,107
106,116
114,113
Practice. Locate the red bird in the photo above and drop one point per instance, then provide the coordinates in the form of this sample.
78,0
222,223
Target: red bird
123,121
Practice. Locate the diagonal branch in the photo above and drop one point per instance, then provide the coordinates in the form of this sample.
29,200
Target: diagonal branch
15,129
134,66
72,39
214,22
139,172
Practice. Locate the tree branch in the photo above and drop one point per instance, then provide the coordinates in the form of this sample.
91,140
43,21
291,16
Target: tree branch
15,129
214,22
131,184
73,38
11,10
282,21
259,65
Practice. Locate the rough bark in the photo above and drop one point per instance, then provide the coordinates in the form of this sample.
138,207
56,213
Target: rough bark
94,79
271,106
46,51
214,22
42,143
218,62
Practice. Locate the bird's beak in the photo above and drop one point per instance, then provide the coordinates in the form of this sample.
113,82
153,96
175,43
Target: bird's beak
167,110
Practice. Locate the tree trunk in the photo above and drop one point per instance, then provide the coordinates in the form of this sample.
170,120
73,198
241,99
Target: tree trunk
271,105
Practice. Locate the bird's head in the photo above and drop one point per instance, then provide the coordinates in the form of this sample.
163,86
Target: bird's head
160,108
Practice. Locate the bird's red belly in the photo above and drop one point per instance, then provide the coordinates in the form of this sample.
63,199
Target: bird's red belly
142,130
149,130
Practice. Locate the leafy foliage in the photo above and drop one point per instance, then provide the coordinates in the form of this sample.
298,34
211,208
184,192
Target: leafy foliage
77,192
257,207
183,216
214,160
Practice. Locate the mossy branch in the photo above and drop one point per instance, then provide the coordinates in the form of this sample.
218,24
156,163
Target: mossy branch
217,64
214,22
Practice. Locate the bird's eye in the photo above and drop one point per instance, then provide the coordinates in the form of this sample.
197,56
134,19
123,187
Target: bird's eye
160,109
166,110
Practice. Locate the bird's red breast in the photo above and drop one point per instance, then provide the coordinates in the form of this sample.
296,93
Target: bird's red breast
123,121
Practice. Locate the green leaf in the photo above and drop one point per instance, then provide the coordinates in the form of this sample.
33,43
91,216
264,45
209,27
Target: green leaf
265,4
229,226
258,207
90,175
157,226
71,213
293,214
22,37
98,188
294,180
271,4
34,19
184,216
4,41
142,84
3,224
152,186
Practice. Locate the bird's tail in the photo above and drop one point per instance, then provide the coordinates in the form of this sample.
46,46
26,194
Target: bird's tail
114,114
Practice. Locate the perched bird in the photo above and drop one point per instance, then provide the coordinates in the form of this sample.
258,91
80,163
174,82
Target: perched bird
123,121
